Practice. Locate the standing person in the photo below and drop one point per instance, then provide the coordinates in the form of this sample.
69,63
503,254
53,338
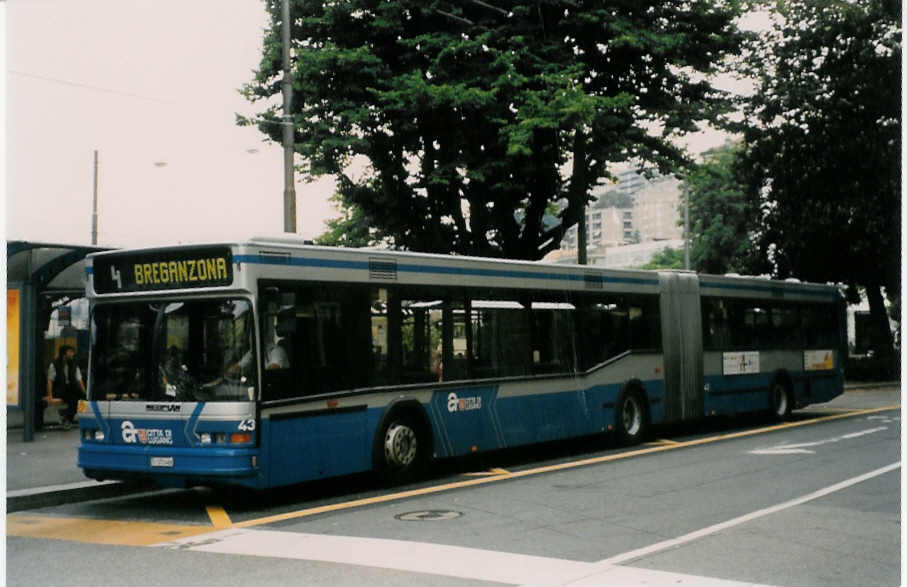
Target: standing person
64,380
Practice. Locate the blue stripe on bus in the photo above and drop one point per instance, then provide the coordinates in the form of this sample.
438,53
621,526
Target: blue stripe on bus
192,423
434,269
781,290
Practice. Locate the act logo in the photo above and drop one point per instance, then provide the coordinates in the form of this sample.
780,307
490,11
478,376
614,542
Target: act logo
130,434
133,435
463,404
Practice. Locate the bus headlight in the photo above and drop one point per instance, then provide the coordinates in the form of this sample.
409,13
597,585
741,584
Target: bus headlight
205,437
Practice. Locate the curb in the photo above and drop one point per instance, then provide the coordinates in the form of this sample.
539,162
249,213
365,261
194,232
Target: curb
866,386
27,499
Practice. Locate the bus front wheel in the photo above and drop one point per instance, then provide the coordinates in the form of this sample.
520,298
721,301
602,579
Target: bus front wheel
401,448
631,418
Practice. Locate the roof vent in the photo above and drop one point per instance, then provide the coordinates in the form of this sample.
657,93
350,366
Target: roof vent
383,269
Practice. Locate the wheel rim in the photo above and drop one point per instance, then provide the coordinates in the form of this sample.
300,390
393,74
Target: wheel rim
631,416
400,445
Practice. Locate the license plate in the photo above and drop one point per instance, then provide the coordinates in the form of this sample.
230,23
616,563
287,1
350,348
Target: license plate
161,461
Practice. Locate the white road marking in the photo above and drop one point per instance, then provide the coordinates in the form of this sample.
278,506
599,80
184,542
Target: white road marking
714,529
478,564
801,448
435,559
780,450
401,555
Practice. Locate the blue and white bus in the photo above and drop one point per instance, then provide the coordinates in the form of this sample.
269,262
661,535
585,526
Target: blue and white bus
271,362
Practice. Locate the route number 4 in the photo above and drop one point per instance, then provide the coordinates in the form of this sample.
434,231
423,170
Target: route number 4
115,276
247,425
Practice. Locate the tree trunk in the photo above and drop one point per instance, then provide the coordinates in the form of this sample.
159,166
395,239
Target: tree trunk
880,331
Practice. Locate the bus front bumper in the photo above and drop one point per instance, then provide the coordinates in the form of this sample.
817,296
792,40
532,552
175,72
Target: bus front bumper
169,466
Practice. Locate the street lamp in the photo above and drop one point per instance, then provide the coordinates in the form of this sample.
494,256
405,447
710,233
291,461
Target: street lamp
289,190
94,205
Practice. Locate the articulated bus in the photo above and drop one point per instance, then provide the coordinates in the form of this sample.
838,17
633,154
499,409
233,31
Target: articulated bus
272,362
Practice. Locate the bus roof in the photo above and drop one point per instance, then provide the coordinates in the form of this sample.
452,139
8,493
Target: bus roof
716,285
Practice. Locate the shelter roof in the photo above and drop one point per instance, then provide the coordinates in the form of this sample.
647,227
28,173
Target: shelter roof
49,266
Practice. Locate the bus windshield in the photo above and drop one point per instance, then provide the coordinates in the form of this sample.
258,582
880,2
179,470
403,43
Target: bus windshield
192,350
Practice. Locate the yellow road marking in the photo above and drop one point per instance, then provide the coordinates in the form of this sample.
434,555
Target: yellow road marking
219,517
546,469
489,472
830,409
98,531
662,442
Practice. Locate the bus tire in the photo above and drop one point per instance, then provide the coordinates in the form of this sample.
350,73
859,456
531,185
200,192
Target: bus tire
402,446
781,399
631,417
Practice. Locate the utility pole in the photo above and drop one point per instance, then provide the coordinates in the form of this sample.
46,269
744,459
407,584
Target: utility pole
289,188
578,187
686,228
94,206
582,257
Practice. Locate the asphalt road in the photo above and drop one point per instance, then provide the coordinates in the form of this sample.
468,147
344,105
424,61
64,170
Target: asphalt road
812,502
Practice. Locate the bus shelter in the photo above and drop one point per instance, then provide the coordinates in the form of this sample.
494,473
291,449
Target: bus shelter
45,308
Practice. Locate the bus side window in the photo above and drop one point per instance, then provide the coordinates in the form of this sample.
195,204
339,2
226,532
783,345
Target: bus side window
331,346
604,329
501,336
414,337
716,325
644,323
553,336
278,342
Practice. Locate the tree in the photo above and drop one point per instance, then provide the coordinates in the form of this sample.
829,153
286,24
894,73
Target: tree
724,217
350,229
467,113
614,199
824,154
667,258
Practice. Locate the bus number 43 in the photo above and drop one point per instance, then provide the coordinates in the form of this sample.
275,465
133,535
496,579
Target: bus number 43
247,425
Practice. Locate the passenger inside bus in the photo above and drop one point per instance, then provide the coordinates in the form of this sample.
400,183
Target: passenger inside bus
275,354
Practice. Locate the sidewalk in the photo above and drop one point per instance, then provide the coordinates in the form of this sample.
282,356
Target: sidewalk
43,472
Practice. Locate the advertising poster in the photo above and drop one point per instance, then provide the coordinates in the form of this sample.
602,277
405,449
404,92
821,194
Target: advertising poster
818,360
741,363
12,347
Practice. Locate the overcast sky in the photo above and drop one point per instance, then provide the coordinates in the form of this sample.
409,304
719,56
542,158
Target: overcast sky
153,86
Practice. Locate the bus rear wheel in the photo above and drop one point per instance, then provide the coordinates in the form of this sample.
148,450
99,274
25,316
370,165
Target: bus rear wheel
631,418
781,400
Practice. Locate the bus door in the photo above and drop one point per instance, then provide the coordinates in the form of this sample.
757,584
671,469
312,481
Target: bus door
681,318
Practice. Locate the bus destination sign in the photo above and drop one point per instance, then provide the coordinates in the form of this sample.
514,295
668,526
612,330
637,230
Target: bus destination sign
163,270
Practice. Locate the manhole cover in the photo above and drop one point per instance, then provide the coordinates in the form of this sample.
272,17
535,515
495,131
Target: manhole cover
428,516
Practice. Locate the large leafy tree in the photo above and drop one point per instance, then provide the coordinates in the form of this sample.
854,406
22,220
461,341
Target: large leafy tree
724,216
825,150
475,117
